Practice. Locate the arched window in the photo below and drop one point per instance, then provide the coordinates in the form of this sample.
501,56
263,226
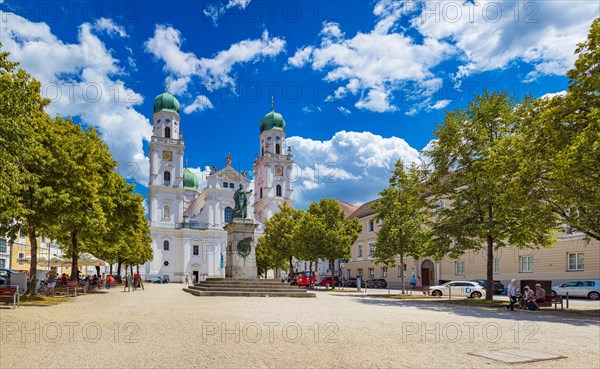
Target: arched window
278,190
261,192
262,152
228,214
166,245
277,149
167,132
167,178
166,212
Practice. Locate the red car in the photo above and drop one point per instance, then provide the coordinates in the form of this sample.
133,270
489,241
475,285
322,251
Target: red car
305,279
327,281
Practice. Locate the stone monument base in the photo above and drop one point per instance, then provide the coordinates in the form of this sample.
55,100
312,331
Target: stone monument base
241,249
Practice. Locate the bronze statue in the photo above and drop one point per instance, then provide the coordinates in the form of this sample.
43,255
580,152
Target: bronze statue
241,203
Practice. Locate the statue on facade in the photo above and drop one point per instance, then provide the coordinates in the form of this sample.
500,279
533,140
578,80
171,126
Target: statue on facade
241,203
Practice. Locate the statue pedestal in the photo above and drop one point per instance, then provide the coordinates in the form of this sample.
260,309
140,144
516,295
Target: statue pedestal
241,249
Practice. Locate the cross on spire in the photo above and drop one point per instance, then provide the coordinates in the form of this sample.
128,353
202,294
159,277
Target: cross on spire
273,103
167,86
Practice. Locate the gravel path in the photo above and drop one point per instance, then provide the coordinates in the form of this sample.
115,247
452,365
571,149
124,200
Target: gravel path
163,327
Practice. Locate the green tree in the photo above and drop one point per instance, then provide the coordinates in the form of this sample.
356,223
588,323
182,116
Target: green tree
278,241
404,212
561,144
27,199
474,171
323,233
83,220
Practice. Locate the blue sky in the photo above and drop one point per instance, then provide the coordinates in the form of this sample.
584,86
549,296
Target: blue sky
361,84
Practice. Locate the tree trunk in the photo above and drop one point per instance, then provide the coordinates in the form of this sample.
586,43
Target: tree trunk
119,263
331,268
489,295
402,269
33,264
291,265
98,271
137,268
75,255
110,269
131,269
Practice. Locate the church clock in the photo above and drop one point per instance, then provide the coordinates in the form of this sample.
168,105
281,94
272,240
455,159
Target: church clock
167,155
278,170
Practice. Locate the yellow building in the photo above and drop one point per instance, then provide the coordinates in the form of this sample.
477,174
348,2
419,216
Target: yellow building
21,248
575,256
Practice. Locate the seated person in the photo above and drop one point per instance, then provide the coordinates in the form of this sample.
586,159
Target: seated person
527,297
540,296
64,279
95,280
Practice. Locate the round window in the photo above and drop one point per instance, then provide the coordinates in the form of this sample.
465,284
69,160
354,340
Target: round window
167,120
166,263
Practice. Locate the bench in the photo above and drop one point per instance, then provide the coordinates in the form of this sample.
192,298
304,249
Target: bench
75,287
552,300
7,292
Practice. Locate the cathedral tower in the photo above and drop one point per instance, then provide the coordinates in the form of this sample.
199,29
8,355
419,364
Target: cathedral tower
272,169
166,188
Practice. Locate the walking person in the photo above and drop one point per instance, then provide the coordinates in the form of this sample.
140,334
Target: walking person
51,275
413,282
512,294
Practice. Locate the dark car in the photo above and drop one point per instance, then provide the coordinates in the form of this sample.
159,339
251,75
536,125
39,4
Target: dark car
377,283
352,282
2,282
498,286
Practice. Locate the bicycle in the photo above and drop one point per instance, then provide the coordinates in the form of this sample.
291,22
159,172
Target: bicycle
42,288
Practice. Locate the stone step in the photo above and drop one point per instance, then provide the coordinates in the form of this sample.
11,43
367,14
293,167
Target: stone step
240,283
243,293
245,288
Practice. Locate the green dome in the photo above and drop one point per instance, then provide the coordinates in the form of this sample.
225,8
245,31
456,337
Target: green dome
190,181
166,101
272,120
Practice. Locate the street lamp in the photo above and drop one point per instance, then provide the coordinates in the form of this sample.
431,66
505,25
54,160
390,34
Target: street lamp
342,265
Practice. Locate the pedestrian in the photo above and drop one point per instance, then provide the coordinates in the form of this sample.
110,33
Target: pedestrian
419,283
413,282
512,294
51,275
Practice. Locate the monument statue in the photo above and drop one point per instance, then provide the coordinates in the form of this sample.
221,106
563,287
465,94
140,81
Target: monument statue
241,203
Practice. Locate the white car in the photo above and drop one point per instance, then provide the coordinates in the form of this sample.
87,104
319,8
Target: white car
458,288
581,288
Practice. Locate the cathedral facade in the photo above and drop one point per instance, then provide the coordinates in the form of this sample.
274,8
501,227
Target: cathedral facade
186,216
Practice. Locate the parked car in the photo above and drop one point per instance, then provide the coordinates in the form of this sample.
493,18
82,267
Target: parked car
304,279
459,288
352,282
376,283
498,286
581,288
153,278
5,273
2,282
327,281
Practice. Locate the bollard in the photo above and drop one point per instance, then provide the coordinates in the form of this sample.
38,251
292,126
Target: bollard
449,293
567,300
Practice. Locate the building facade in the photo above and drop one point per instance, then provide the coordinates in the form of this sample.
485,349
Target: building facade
186,221
574,257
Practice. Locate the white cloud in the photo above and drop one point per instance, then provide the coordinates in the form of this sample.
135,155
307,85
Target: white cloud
552,95
200,104
110,27
216,11
351,166
492,34
215,72
81,79
375,64
343,110
486,35
441,104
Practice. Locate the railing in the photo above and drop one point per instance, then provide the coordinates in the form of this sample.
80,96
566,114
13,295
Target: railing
192,225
